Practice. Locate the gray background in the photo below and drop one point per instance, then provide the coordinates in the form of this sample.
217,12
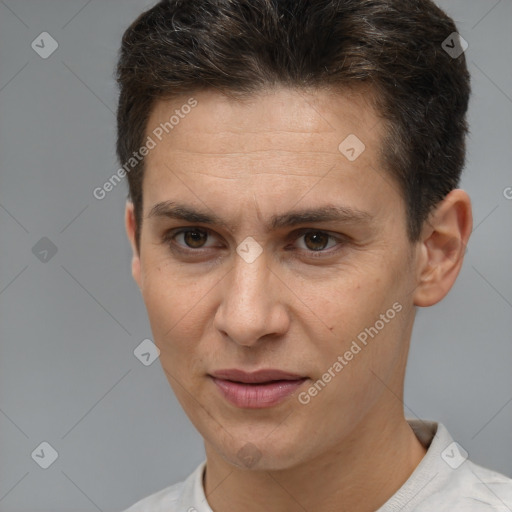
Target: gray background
69,326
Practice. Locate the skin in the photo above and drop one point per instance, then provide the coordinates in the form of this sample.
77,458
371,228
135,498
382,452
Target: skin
350,447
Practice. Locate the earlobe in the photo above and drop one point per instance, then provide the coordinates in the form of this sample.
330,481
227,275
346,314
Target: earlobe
443,245
130,225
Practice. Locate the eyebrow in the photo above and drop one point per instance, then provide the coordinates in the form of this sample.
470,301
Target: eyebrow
328,213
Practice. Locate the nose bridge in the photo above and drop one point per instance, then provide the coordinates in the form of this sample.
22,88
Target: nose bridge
247,310
249,283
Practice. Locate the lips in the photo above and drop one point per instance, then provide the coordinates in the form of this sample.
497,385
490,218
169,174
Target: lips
256,390
258,377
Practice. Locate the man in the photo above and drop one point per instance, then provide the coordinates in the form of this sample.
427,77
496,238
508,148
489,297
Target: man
293,170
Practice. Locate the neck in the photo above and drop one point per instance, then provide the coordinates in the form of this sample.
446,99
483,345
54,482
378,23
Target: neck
359,474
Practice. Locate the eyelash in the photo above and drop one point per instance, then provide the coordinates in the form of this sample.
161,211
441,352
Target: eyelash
169,238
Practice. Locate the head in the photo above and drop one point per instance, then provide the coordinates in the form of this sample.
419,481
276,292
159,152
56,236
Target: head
295,201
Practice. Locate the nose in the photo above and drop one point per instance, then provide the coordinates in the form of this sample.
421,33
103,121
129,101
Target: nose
251,305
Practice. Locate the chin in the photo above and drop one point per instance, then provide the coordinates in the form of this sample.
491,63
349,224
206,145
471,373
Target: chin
264,454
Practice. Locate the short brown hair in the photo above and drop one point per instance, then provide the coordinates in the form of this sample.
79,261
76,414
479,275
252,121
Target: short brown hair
243,46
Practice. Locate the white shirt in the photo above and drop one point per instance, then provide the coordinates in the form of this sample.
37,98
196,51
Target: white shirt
444,481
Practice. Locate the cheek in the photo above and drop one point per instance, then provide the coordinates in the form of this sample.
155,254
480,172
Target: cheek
346,304
355,365
173,305
362,315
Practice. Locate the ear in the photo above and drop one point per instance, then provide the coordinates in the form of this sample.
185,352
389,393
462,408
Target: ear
130,224
442,248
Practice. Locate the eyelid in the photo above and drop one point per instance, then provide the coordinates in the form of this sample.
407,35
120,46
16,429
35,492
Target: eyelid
339,238
302,231
170,236
292,236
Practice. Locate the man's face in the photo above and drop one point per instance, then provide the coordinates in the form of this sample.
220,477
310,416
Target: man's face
300,303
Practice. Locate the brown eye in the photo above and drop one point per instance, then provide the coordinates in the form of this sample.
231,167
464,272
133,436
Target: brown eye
194,238
190,241
316,240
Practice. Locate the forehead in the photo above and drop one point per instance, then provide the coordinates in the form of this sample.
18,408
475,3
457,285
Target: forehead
279,119
280,146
